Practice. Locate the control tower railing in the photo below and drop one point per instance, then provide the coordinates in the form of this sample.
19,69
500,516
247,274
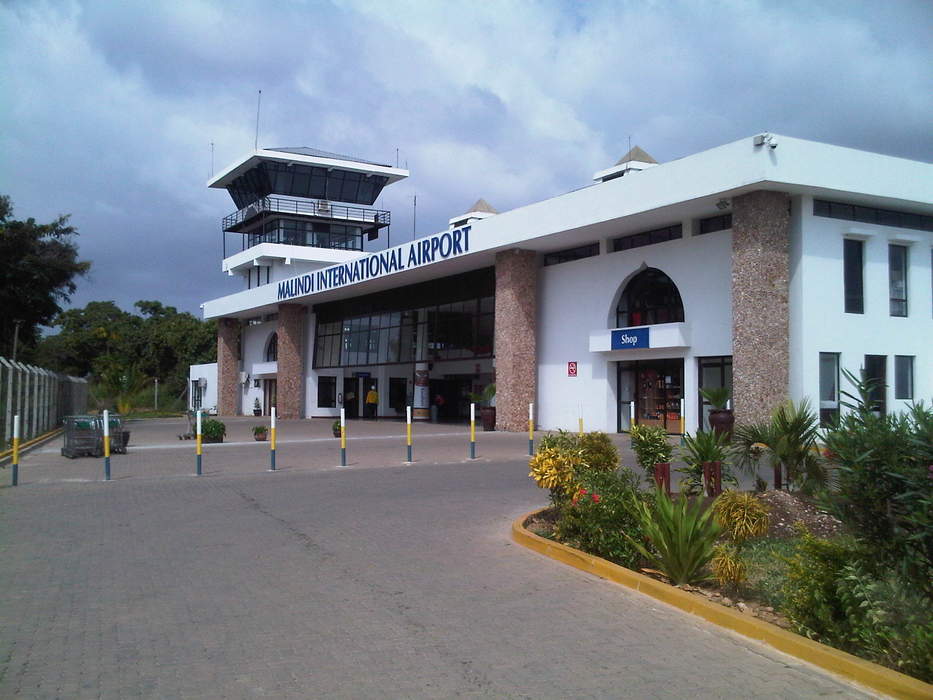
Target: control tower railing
377,218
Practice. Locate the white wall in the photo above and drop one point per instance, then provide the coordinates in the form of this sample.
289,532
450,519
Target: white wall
578,298
255,338
209,396
820,323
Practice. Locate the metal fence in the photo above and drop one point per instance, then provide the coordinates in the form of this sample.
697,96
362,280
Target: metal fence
41,397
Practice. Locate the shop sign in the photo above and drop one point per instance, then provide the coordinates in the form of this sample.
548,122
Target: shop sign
630,338
423,251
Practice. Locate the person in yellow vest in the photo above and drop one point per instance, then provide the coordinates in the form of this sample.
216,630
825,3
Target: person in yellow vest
372,402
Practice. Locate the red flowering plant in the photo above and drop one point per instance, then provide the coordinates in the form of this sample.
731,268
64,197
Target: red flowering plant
599,514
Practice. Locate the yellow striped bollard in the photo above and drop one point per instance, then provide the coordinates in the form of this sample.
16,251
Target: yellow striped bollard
472,431
343,437
197,444
272,442
106,445
16,450
408,431
531,430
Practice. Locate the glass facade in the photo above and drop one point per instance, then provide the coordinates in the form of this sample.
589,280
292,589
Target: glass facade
872,215
294,180
308,233
571,254
399,327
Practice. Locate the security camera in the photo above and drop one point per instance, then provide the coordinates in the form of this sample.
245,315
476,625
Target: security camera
772,142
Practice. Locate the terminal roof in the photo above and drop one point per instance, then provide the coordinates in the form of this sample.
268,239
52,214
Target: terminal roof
307,173
636,154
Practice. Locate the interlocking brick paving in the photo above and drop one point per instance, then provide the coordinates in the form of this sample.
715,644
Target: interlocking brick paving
367,582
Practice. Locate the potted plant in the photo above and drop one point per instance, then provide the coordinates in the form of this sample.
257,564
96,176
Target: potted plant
257,407
704,448
335,426
260,432
721,419
484,398
213,430
651,447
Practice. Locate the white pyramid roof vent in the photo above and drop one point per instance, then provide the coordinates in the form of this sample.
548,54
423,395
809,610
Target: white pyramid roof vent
633,161
481,209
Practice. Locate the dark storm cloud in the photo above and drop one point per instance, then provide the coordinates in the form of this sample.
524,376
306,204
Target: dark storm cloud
111,107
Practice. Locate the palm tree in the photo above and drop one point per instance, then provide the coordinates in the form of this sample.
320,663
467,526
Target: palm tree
789,440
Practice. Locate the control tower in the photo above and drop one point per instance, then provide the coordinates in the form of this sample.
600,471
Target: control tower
299,209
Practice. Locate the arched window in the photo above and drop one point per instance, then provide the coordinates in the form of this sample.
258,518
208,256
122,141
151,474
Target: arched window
650,297
272,349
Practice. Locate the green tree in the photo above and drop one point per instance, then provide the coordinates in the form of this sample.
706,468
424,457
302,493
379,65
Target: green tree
38,267
92,340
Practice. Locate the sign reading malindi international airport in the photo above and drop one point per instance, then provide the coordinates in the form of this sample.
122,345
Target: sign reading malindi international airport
630,338
423,251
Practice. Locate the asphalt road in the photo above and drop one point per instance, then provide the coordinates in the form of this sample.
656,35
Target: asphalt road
367,582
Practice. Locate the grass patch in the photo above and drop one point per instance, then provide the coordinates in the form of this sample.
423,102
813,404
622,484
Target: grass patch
767,570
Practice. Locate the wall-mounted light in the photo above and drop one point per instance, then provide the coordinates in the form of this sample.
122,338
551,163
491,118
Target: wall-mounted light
723,204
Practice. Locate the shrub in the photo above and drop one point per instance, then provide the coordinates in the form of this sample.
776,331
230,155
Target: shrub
888,622
600,514
728,567
837,593
562,456
213,429
811,600
555,469
705,446
790,441
884,488
681,534
599,454
651,447
741,516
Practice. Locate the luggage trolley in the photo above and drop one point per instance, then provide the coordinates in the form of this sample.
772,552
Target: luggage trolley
84,436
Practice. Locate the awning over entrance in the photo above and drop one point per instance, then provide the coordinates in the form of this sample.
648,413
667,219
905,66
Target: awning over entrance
662,335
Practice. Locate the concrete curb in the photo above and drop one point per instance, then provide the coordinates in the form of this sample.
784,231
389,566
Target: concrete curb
867,673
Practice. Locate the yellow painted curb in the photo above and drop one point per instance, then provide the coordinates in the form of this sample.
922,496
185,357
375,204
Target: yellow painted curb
867,673
35,441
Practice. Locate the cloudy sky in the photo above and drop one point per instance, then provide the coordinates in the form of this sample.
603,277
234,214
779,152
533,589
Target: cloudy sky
108,109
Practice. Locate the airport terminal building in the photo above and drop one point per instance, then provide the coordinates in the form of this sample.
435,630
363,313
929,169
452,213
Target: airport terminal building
767,265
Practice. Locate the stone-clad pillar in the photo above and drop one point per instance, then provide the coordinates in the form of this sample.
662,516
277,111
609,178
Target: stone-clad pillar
228,366
760,312
290,372
516,327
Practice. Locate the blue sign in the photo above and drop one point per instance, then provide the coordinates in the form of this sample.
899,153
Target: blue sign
630,338
423,251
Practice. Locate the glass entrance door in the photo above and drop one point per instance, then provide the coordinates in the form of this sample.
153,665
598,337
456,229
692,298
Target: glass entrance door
658,389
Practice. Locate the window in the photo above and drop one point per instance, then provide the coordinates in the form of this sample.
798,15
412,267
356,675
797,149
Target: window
829,387
327,392
871,215
637,240
903,377
715,223
876,375
571,254
448,319
852,265
272,349
650,297
897,279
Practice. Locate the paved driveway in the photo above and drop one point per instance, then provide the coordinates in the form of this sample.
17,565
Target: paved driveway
367,582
